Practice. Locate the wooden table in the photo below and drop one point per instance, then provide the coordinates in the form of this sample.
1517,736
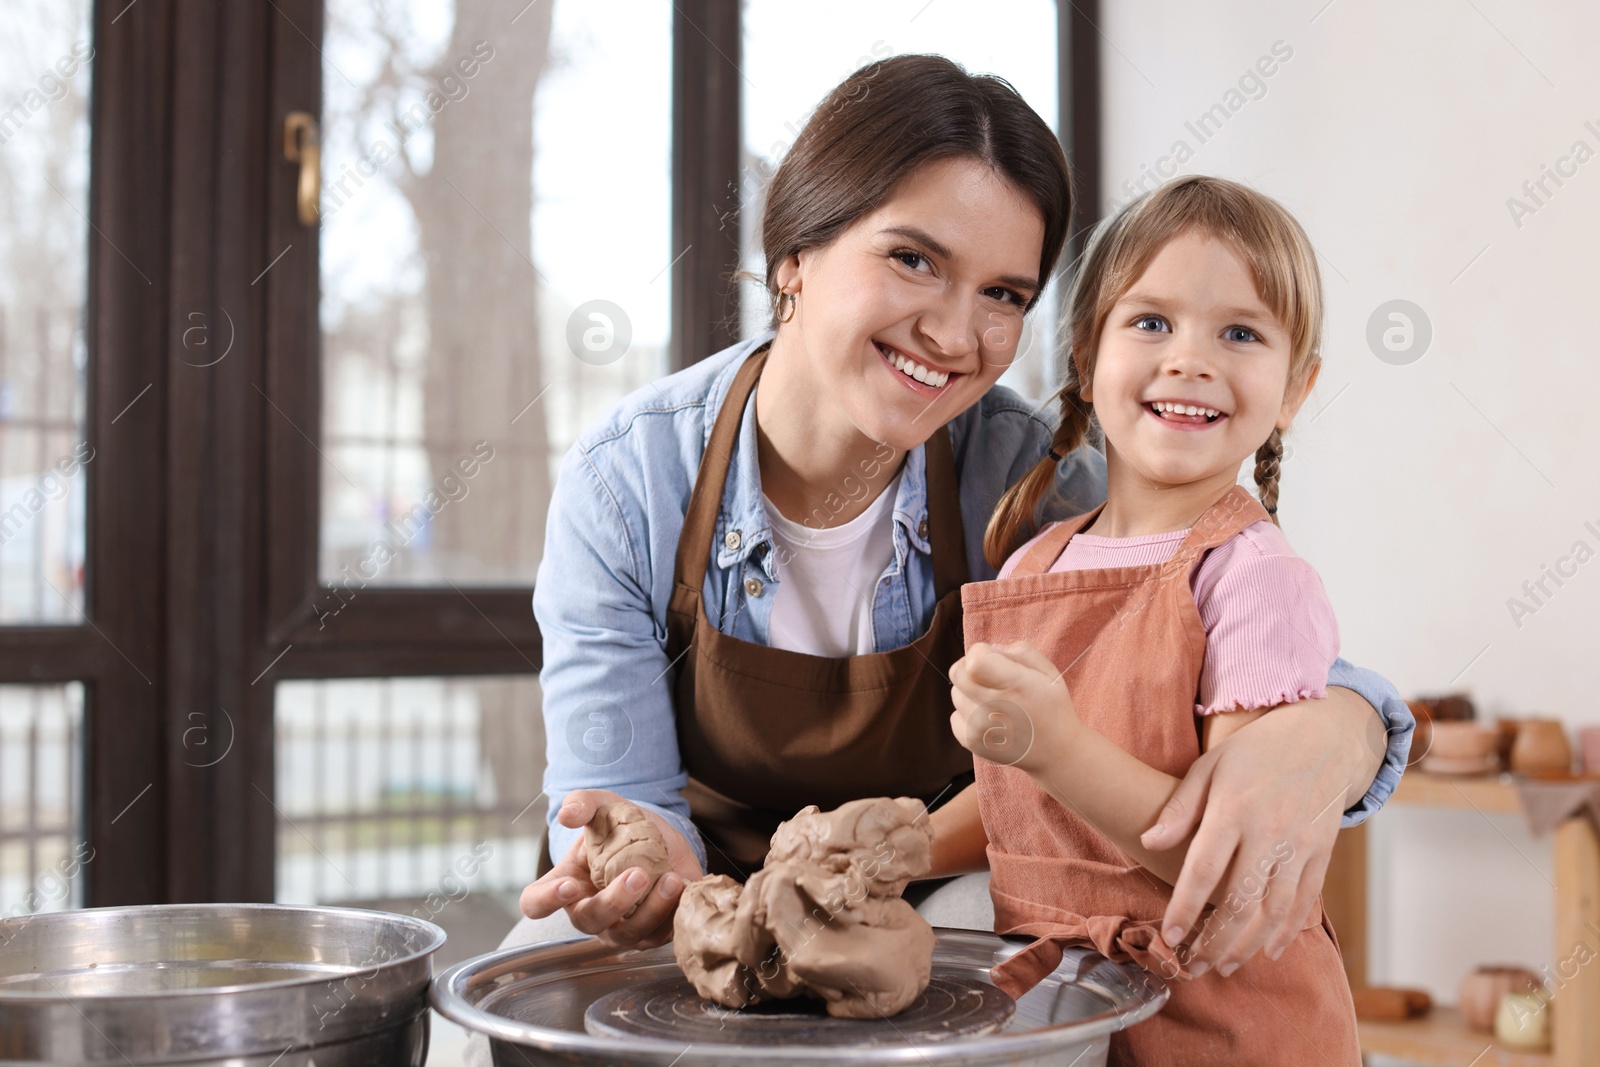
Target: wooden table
1441,1037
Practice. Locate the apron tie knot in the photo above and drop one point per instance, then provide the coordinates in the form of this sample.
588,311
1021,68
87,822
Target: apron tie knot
1116,937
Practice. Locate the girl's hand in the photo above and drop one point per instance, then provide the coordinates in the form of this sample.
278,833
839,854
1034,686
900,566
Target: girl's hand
1011,706
628,913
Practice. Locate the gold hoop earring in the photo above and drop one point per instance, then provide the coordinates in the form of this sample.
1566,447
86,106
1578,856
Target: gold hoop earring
786,312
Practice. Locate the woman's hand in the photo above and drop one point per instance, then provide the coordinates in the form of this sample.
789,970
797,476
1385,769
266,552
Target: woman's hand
1269,799
1011,706
628,913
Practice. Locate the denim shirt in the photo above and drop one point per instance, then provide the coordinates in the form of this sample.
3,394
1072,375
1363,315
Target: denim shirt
611,541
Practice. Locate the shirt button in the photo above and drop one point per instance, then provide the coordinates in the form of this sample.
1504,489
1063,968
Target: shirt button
731,539
922,529
753,586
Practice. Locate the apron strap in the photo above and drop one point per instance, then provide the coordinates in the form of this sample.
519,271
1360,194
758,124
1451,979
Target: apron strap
947,536
700,521
1047,549
1232,512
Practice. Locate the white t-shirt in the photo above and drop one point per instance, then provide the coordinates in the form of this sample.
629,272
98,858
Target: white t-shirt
827,579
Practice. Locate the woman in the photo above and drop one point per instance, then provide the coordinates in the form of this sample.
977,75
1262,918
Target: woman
749,594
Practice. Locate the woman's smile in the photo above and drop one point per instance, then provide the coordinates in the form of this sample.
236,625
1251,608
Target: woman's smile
917,375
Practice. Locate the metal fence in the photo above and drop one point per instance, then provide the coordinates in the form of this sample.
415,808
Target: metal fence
392,789
42,851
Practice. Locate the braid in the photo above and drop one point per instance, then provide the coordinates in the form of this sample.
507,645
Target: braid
1014,520
1267,465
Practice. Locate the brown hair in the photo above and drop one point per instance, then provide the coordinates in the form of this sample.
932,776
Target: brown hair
1281,260
887,119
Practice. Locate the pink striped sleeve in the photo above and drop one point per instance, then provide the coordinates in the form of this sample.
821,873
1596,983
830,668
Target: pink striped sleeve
1270,631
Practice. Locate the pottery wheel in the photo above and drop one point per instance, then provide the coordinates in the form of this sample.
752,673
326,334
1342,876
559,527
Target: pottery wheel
670,1009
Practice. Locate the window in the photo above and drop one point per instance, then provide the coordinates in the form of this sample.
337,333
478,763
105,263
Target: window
1016,39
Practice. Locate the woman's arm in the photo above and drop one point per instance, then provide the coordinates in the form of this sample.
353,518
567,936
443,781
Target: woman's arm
1278,784
608,710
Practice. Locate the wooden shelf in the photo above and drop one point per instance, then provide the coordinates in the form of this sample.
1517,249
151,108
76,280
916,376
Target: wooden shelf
1485,793
1441,1038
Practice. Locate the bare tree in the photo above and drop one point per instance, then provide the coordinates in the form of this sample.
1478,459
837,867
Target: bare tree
474,209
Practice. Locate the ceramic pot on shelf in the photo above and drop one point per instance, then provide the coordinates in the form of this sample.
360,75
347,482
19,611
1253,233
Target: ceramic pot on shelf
1589,744
1508,738
1486,986
1463,748
1541,747
1422,738
1523,1021
1452,707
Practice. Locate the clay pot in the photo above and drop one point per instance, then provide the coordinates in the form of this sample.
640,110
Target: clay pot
1422,738
1452,707
1523,1021
1484,989
1508,737
1541,747
1589,744
1463,741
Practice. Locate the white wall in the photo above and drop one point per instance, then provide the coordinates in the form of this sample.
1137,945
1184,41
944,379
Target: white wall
1426,494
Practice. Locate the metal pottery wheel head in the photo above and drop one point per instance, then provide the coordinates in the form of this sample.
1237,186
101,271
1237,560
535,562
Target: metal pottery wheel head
669,1009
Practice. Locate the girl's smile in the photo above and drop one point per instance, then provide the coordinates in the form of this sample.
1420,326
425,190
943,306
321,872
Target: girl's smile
1180,414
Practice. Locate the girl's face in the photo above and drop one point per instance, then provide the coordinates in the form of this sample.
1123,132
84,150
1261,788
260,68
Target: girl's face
1192,331
933,282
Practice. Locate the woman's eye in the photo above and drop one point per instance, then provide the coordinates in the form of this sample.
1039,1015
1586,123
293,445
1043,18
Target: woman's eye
913,260
1240,334
1150,323
1000,292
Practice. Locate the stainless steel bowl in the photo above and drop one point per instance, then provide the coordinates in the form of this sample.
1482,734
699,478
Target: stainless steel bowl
246,985
531,1001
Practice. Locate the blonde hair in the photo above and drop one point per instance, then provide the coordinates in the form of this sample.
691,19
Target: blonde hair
1280,258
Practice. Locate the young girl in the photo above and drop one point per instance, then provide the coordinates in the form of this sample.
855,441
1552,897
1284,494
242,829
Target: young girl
1117,646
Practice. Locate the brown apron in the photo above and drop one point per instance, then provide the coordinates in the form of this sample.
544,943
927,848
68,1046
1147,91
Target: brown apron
765,731
1132,644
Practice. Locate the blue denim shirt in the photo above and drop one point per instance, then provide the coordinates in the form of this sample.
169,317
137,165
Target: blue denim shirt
612,538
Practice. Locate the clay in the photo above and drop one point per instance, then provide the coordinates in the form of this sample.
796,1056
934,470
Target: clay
1388,1004
822,919
619,836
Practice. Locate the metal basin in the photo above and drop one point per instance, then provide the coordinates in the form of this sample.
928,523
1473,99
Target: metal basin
245,985
531,1002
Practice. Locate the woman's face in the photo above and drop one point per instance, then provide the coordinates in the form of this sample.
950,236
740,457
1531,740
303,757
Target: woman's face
933,282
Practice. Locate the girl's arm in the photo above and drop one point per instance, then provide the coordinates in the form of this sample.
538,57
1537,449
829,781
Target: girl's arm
959,844
1263,847
1012,707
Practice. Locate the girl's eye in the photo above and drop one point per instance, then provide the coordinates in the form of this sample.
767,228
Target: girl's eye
1011,296
1240,334
913,259
1150,323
